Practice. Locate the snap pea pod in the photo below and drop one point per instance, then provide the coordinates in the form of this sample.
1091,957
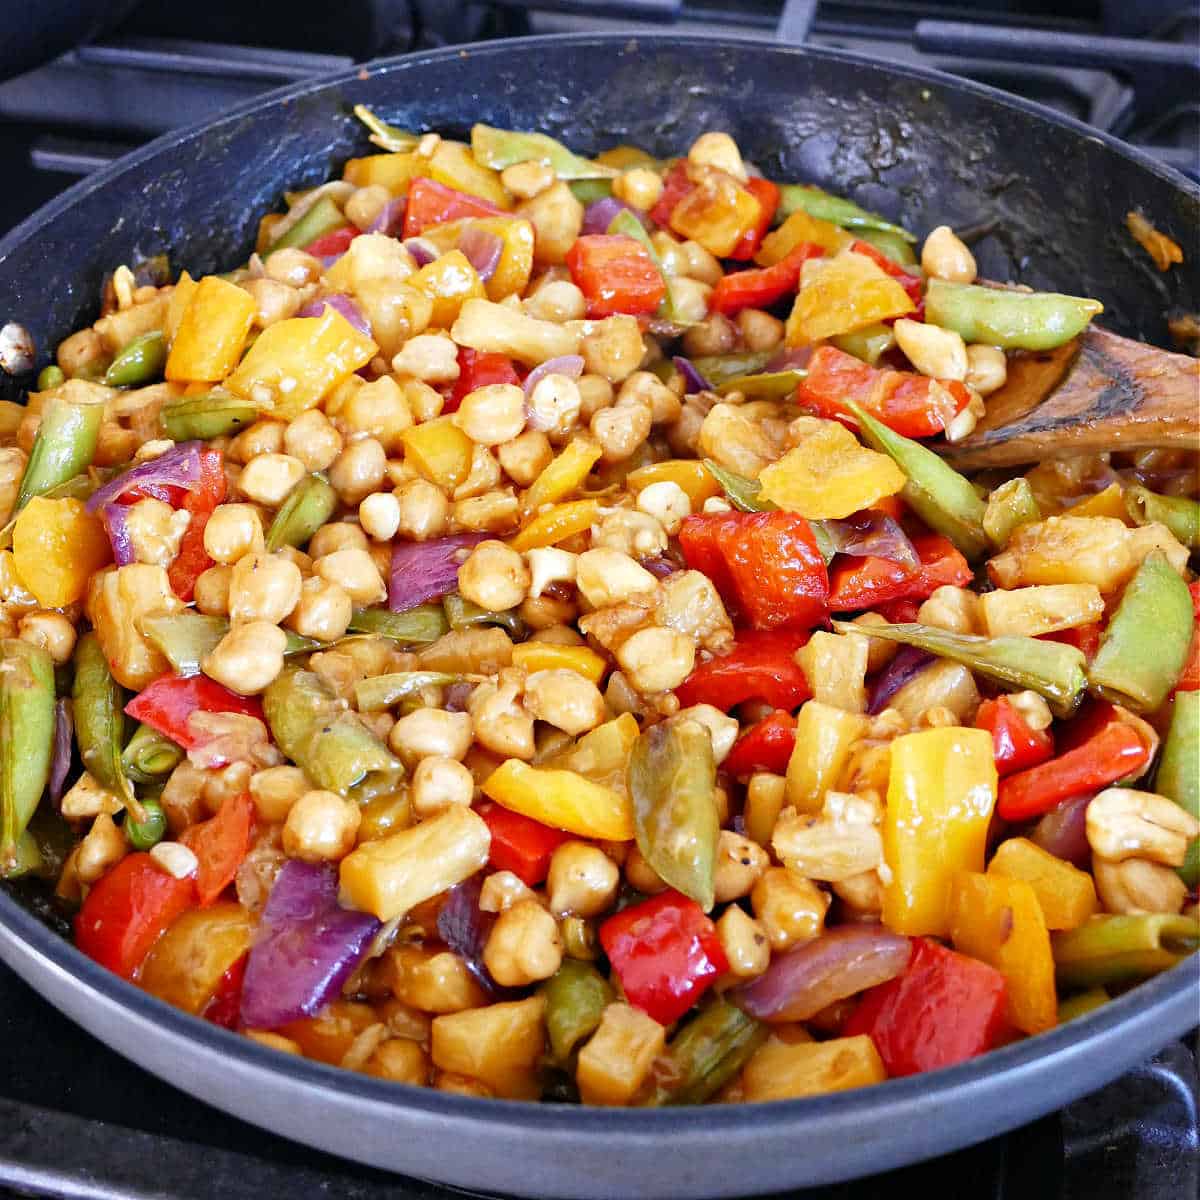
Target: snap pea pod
63,447
50,377
417,627
209,416
672,782
385,136
1006,318
1009,506
145,834
1122,948
1145,643
307,508
26,858
937,493
324,217
720,368
502,148
1052,669
896,246
334,748
837,210
586,191
770,385
382,691
140,362
462,614
576,997
706,1054
150,755
98,703
1081,1004
627,225
1179,514
1178,775
27,724
186,637
867,344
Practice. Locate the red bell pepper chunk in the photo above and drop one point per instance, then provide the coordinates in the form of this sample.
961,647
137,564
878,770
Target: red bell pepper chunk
192,560
333,244
220,844
520,844
943,1009
665,952
1017,746
676,185
862,583
766,747
760,666
225,1003
477,369
902,400
432,203
1082,637
767,195
168,702
912,284
128,910
1189,677
898,612
616,274
766,564
1115,752
762,287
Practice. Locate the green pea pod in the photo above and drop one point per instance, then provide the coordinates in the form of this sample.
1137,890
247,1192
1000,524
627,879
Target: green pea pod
867,344
706,1054
98,702
937,493
417,627
896,246
187,637
150,755
771,385
334,748
140,362
587,191
26,859
1178,775
145,834
209,416
1121,949
307,508
672,781
382,691
801,197
576,997
1009,506
625,224
50,377
26,737
64,446
720,368
324,217
1146,641
385,136
1010,319
462,614
1052,669
502,148
1179,514
1081,1004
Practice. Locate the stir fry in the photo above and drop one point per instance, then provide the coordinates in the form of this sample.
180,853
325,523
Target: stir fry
519,634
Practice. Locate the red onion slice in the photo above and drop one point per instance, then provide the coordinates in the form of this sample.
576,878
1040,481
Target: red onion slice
570,365
340,303
424,571
482,248
792,359
60,762
1063,831
114,518
693,381
423,251
464,927
872,534
391,217
179,467
660,566
908,663
599,215
840,963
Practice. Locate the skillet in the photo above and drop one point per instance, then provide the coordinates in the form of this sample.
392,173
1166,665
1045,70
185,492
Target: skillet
920,147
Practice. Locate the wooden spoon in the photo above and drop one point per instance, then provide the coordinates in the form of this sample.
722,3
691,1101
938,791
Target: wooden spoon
1097,392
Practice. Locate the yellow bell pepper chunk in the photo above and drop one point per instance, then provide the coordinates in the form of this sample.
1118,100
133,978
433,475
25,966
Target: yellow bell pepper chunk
448,281
57,547
211,333
392,171
941,792
562,800
181,297
515,267
716,212
999,921
185,965
1108,503
1066,894
296,362
795,231
439,450
824,737
780,1070
454,165
601,755
843,294
562,476
688,474
556,525
830,474
550,656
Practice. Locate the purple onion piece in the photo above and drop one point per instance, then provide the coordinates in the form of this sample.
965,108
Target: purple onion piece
482,249
660,566
305,948
567,364
599,215
340,303
423,251
179,467
693,381
908,663
424,571
1063,831
840,963
457,695
790,359
327,260
60,762
464,927
391,217
115,519
875,534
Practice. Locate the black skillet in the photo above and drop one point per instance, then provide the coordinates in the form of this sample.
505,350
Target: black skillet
922,148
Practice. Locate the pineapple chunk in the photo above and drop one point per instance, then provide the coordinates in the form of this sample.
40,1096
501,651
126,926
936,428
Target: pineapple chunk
782,1071
616,1062
499,1045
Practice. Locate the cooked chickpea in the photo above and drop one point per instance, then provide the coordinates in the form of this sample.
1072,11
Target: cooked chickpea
656,659
313,440
526,457
945,256
952,608
739,866
716,149
501,723
935,352
429,357
606,577
356,573
400,1060
667,502
558,301
722,730
639,186
987,369
79,351
644,387
879,652
365,204
247,658
595,393
546,612
380,410
641,874
379,515
493,512
557,217
631,531
613,348
745,943
759,330
337,535
524,946
555,404
701,265
492,414
320,827
715,334
275,791
439,782
501,890
269,478
566,700
233,531
582,880
358,471
690,297
323,611
789,908
431,732
263,587
273,301
424,510
527,179
50,630
102,848
263,437
293,266
494,576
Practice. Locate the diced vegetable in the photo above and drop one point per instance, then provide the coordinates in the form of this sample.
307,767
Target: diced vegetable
1065,894
212,333
824,737
186,965
1122,949
1178,776
783,1071
1010,319
561,799
57,548
759,667
1016,744
519,843
616,275
845,293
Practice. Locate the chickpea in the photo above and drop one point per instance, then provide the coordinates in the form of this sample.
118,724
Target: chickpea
102,848
429,357
501,723
716,334
380,410
275,791
527,179
643,387
656,659
630,531
431,981
544,612
431,732
555,404
320,827
263,437
323,611
641,874
879,652
558,301
945,256
439,782
424,511
524,946
759,330
639,186
365,204
263,587
492,414
558,635
613,349
79,351
379,515
557,217
595,393
582,881
987,369
722,730
566,700
701,265
358,471
273,301
494,577
716,149
400,1060
269,478
605,577
312,439
952,608
526,457
690,297
790,909
50,630
935,352
424,401
667,502
621,430
337,535
501,890
247,658
739,866
293,266
745,943
494,512
356,573
233,531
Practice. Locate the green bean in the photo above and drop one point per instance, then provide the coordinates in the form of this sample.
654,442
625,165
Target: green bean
150,755
417,627
143,835
576,997
1080,1004
385,136
502,148
771,385
27,724
50,377
211,415
1178,775
719,368
64,446
322,218
1009,506
795,197
1010,319
463,614
307,508
187,637
587,191
140,362
895,246
382,691
1179,514
1120,949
